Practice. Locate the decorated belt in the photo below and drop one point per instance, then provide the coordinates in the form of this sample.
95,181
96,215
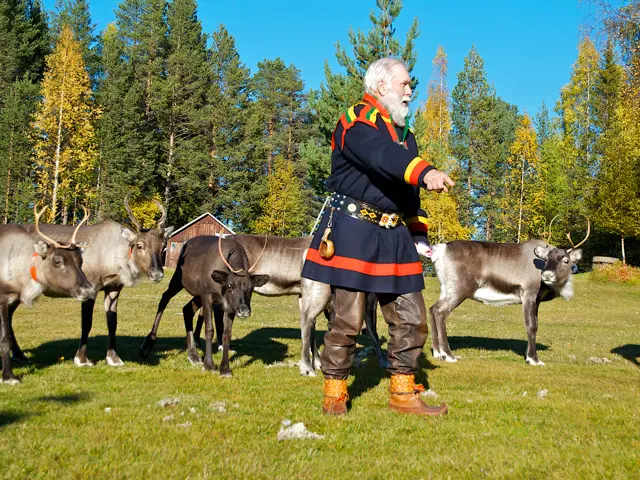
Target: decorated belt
363,211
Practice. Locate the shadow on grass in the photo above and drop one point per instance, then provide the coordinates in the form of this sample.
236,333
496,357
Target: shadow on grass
518,347
629,352
7,418
49,353
68,399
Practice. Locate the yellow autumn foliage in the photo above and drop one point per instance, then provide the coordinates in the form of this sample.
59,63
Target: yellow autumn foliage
65,150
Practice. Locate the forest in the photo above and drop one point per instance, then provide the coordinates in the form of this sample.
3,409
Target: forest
155,107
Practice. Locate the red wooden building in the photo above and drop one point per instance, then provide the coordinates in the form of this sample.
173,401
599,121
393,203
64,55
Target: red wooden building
205,224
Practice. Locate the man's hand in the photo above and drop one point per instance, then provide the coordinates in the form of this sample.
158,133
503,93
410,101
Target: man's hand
424,249
438,181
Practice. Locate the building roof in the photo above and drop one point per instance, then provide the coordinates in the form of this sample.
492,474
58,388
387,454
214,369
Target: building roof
196,220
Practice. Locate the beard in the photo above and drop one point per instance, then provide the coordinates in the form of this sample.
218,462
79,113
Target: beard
397,106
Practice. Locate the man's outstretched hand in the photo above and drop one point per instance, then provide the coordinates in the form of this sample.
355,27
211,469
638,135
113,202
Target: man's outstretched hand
438,181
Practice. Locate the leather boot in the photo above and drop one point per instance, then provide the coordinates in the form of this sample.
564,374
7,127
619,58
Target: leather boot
335,397
405,397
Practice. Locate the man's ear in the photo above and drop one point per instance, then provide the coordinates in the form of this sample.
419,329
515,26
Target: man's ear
41,248
382,87
127,234
220,277
541,252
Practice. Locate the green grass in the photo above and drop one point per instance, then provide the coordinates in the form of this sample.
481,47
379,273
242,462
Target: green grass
54,424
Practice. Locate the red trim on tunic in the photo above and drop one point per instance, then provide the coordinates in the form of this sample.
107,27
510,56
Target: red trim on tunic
367,268
418,227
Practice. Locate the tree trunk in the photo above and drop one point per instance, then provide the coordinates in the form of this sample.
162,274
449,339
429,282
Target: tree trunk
624,256
167,187
270,129
56,168
7,193
65,211
521,200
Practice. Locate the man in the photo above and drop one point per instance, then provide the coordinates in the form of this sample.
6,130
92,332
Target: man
367,240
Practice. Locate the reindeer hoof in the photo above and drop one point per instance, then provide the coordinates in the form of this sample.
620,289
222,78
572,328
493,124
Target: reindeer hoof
113,360
195,360
82,362
535,362
451,359
307,371
10,381
226,374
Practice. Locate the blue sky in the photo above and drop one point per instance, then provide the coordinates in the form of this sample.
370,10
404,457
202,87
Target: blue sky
528,47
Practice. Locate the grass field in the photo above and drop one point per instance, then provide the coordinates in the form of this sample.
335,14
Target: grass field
103,422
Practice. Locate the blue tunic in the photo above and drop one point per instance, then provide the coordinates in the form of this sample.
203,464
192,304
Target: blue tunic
375,162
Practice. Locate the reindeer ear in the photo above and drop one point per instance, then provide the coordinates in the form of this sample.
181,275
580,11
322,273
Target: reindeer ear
220,277
168,231
127,234
41,248
259,280
575,255
541,252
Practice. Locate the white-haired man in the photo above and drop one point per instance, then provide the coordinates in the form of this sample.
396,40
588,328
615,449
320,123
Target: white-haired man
368,240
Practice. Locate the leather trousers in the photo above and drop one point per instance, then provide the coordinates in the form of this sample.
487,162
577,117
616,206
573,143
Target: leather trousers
405,315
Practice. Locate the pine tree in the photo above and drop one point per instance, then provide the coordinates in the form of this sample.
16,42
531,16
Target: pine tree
344,89
468,96
230,177
179,103
284,212
542,124
65,151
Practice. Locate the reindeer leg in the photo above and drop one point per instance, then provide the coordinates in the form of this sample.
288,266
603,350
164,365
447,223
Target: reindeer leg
371,321
218,318
111,309
530,308
313,300
17,354
208,332
174,287
225,369
438,314
198,329
81,359
5,346
187,312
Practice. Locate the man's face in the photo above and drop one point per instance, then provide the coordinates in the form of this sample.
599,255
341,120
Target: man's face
396,95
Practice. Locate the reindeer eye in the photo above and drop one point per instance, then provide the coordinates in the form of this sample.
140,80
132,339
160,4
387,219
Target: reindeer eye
140,245
565,260
230,286
57,261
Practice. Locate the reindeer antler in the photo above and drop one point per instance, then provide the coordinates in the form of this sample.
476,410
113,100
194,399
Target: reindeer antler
37,216
550,231
73,237
573,247
131,216
224,259
253,267
164,213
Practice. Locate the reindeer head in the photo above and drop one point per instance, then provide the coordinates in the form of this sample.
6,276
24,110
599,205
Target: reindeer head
145,245
558,264
60,266
238,284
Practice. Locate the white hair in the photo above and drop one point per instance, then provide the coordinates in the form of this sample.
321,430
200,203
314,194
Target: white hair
380,70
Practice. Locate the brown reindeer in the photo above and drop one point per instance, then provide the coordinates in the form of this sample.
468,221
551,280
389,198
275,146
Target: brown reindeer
119,257
216,272
500,274
31,265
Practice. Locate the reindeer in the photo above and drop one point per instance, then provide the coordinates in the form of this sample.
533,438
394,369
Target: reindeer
30,267
500,274
282,259
216,272
119,257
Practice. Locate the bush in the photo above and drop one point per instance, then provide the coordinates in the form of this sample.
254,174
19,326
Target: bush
617,272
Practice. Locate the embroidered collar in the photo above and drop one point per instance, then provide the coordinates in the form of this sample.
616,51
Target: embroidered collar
387,117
